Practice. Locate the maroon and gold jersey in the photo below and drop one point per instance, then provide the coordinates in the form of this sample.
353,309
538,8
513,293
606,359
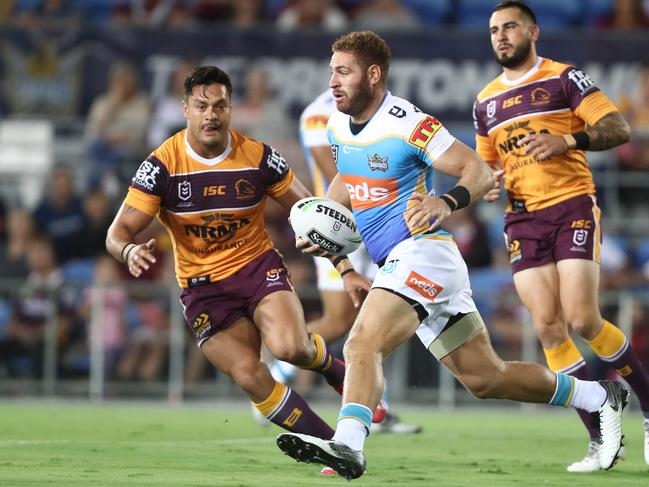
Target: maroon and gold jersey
213,209
552,98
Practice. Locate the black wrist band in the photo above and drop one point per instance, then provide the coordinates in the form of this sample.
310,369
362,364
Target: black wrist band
347,271
449,201
459,194
338,260
582,140
123,249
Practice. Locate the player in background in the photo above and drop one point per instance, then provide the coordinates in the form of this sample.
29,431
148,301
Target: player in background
536,121
208,185
387,152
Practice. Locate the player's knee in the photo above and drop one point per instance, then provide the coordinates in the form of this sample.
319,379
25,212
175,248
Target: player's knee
248,376
584,325
550,332
356,346
479,387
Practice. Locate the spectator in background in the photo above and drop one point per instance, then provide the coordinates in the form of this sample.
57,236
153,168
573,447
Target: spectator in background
106,286
60,214
258,114
152,13
59,13
626,15
381,15
25,331
312,14
246,14
98,217
634,155
210,11
117,124
168,117
13,249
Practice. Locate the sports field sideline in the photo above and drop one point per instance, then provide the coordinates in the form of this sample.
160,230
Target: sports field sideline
124,444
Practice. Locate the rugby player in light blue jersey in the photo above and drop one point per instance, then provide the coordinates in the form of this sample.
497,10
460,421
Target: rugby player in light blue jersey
387,152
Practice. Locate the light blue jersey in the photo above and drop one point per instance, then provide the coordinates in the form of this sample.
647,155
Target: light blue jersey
382,165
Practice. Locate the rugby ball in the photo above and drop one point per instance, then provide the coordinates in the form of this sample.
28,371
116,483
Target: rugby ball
326,223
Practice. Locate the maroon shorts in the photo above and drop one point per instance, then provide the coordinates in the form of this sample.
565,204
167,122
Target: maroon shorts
214,306
568,230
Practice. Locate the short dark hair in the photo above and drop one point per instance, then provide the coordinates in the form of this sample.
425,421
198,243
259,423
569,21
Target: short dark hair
207,75
368,47
524,8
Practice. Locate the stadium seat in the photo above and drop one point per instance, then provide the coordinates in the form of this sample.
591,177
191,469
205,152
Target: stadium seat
550,13
556,14
595,10
79,271
474,14
431,13
26,155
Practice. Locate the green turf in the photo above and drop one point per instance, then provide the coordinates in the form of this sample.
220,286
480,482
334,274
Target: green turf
145,445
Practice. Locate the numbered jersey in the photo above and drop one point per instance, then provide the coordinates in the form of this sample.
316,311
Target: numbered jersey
313,133
383,164
212,208
552,98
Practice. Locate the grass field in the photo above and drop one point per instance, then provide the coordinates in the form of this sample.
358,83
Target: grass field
215,445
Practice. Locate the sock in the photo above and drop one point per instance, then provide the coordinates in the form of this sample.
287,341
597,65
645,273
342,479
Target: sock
353,426
331,368
287,409
613,348
582,394
567,359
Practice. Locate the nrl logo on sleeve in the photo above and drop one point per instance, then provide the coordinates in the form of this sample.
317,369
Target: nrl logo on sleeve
184,190
424,131
377,163
491,109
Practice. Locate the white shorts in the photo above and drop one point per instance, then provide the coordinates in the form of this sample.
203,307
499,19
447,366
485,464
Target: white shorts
432,272
329,279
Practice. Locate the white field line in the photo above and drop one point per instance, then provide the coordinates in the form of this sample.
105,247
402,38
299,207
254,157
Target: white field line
225,441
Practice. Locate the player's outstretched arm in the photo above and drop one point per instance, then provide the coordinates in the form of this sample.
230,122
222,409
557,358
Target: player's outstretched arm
338,191
120,240
475,179
296,191
610,131
494,193
324,160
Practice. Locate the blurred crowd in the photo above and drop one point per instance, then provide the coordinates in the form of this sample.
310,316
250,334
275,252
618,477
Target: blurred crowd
321,14
55,270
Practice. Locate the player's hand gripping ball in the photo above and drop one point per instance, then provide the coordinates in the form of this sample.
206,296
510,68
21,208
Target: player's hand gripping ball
326,223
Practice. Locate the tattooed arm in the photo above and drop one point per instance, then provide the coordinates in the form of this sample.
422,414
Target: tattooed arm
610,131
120,240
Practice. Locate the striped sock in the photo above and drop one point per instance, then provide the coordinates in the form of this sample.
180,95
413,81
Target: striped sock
326,364
567,359
353,426
613,348
582,394
288,410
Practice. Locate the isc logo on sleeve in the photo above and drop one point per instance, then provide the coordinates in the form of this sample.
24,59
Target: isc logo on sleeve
370,192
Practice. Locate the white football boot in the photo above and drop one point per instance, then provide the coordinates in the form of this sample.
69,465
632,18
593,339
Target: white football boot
347,463
610,422
590,462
